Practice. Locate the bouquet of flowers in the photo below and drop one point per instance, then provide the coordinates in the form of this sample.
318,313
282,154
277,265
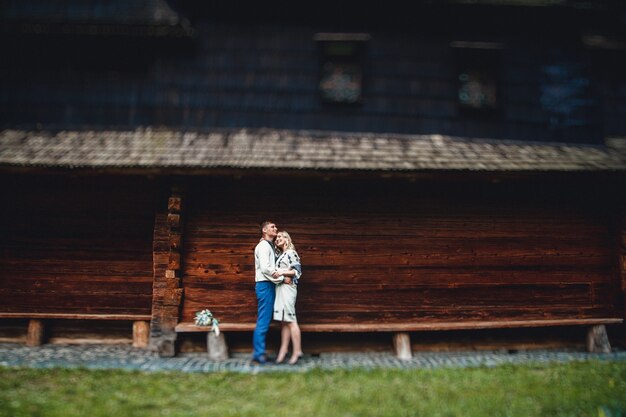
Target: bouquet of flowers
205,318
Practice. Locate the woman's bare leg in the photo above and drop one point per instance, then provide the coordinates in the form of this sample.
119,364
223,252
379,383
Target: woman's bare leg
285,336
296,340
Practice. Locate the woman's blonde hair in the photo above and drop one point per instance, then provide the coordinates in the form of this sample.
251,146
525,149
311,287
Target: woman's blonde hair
289,244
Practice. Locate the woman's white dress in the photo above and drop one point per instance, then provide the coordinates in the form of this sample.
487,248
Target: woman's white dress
285,304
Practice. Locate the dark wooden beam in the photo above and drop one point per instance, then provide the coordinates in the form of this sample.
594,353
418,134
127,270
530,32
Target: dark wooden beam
74,316
35,334
411,326
167,292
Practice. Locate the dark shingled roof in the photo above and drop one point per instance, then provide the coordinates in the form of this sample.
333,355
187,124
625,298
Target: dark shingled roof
94,11
302,150
146,18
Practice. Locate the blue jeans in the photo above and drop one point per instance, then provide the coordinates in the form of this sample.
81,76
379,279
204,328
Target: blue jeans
265,295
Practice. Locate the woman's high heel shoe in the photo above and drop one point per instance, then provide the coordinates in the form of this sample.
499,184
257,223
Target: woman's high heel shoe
294,359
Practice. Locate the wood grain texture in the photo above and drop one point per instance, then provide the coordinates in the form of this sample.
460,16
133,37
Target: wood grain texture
166,292
186,327
141,334
69,316
76,247
35,332
375,253
391,253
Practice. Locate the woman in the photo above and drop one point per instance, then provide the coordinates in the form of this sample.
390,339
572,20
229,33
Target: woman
289,268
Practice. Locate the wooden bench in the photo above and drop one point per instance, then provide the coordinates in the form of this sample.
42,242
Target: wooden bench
36,324
597,340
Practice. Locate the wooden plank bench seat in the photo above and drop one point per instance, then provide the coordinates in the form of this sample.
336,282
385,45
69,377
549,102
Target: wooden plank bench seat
401,338
35,333
412,326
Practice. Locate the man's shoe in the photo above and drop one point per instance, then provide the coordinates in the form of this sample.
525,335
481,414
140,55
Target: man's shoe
259,361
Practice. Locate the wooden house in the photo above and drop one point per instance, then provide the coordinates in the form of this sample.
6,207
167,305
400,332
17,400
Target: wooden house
462,167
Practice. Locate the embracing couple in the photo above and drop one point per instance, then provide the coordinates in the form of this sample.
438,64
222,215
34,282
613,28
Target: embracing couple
277,270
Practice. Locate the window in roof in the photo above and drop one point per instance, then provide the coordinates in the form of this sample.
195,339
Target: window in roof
478,68
569,101
477,89
341,67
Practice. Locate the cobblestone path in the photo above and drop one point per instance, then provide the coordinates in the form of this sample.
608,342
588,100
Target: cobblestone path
126,357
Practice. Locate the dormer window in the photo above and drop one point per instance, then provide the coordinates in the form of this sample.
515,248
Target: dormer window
478,67
341,67
477,89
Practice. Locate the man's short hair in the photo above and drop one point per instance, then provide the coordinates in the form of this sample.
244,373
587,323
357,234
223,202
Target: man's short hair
265,223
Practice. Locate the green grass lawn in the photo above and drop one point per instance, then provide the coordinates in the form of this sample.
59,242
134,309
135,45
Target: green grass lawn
575,389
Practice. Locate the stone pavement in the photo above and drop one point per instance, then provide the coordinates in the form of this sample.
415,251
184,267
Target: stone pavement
126,357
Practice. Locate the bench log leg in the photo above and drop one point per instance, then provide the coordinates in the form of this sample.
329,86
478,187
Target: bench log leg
34,336
166,348
598,340
141,334
402,346
216,346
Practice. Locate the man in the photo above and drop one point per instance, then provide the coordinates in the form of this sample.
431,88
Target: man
264,267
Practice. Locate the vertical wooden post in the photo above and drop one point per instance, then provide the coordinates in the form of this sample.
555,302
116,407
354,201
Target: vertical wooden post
167,290
598,340
34,336
402,346
217,347
141,334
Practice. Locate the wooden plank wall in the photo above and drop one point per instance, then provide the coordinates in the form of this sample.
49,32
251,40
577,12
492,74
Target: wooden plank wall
76,245
402,251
